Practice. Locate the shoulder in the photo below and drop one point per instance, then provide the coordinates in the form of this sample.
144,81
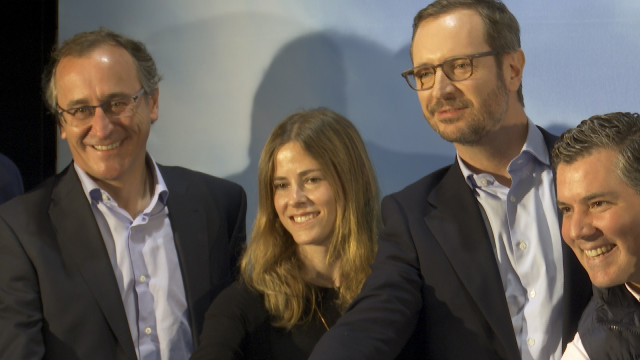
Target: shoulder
241,303
549,138
31,204
176,174
419,191
196,186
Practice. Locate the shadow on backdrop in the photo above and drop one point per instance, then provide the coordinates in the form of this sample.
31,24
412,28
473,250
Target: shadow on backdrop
313,70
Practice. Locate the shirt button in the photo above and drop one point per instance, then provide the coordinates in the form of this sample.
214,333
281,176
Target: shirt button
483,182
531,341
532,294
105,197
512,198
147,330
522,245
143,278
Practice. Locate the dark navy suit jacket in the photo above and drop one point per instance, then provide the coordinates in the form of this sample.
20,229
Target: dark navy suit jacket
59,298
435,290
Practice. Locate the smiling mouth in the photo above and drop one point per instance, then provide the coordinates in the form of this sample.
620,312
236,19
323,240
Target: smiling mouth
594,253
106,147
303,218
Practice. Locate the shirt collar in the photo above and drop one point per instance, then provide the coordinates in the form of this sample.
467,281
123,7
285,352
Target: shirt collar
94,193
633,292
534,145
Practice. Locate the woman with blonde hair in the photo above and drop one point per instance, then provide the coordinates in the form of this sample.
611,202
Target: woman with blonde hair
312,243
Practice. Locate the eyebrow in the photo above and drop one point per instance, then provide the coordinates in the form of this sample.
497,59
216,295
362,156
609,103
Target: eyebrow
302,173
85,101
591,196
425,64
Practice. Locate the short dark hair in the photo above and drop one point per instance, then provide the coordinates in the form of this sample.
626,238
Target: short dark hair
618,131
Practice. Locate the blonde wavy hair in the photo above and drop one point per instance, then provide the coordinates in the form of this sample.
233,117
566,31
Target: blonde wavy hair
270,263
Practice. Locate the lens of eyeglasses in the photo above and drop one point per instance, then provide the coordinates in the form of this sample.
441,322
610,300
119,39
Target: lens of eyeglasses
113,108
118,107
455,69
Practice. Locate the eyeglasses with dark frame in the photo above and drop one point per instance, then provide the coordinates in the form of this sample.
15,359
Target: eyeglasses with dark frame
113,108
458,68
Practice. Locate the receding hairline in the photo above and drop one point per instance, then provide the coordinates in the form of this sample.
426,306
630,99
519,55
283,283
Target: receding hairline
448,13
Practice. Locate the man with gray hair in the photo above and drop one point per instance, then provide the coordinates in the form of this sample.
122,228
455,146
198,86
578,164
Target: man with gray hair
598,183
116,257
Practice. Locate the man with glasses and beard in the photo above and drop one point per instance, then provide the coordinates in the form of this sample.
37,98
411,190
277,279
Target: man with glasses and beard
116,257
470,264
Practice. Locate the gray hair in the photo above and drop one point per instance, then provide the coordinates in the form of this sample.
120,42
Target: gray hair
83,43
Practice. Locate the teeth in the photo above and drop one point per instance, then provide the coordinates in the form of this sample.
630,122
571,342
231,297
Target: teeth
599,251
304,218
106,147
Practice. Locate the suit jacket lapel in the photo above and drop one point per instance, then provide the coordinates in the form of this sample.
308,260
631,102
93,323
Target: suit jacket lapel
459,227
188,222
80,240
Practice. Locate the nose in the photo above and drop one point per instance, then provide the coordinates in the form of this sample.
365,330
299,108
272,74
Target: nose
580,226
101,125
298,195
442,86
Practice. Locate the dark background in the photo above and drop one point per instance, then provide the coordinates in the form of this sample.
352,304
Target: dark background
28,132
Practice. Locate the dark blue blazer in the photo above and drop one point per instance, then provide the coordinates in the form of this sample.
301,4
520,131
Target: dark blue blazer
435,290
59,298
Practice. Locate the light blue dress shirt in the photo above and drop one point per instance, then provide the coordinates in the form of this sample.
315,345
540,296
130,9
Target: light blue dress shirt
523,223
145,263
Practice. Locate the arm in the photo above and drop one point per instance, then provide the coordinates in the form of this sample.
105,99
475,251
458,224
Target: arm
20,306
382,318
232,317
239,234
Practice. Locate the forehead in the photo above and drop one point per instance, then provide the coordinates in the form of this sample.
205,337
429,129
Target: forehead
293,157
459,32
595,172
107,67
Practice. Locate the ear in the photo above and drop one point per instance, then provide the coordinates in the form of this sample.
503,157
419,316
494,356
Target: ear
63,132
153,105
512,67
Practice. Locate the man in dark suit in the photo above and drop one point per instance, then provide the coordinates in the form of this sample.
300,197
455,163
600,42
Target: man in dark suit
470,263
10,180
116,257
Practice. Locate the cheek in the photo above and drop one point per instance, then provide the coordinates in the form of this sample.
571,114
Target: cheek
423,97
332,205
565,232
278,204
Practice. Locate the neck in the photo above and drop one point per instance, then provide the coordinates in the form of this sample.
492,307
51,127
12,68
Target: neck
135,195
315,268
495,151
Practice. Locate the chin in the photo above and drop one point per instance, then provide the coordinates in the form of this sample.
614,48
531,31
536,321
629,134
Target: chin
606,283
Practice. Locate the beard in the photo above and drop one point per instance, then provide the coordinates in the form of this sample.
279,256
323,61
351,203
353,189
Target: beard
477,122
